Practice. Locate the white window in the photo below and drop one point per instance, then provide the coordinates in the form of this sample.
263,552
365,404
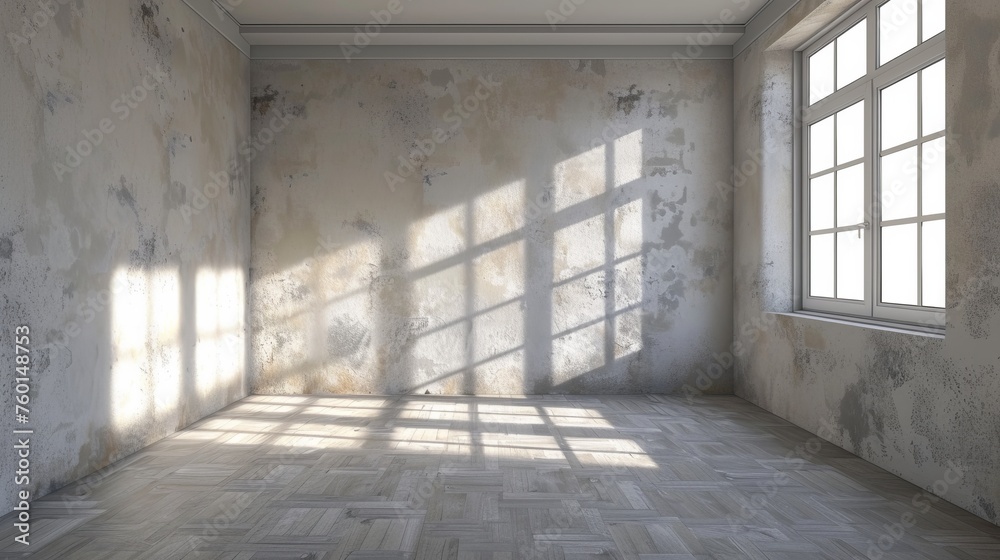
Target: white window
873,164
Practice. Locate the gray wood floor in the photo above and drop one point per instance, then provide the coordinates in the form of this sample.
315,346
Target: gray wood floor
643,477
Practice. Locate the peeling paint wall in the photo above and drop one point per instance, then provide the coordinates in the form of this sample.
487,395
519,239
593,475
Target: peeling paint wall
129,270
491,227
908,403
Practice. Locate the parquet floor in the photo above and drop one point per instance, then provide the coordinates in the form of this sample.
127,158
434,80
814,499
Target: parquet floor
500,478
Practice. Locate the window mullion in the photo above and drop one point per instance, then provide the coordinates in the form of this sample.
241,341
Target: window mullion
871,193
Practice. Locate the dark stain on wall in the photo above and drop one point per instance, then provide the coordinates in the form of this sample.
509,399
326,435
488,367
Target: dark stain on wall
6,248
627,102
365,226
671,300
124,195
980,50
260,104
890,359
148,14
671,235
41,361
988,507
143,255
980,307
760,285
757,107
441,78
854,414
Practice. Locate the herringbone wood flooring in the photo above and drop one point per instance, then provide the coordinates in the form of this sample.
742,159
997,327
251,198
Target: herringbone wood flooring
504,478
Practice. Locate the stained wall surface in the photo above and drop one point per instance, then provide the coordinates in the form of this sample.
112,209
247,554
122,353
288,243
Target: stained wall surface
129,271
491,227
912,404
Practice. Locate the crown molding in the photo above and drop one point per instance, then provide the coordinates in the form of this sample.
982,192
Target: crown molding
242,37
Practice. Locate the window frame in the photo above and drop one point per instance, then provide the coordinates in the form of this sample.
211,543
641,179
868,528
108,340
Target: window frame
867,89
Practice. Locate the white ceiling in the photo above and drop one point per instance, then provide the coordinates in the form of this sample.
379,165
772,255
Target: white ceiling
492,12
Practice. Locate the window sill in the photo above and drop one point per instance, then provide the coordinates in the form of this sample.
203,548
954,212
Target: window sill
889,326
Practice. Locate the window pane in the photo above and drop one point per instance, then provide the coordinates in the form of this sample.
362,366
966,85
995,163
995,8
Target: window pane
851,196
897,29
821,203
851,265
933,18
899,264
821,266
821,146
852,54
821,73
899,113
933,264
851,133
934,177
933,98
899,185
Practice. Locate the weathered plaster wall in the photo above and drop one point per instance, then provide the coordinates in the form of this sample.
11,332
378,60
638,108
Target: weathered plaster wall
133,287
565,234
908,403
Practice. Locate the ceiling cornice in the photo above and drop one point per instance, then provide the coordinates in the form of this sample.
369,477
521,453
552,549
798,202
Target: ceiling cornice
242,36
222,21
542,28
496,52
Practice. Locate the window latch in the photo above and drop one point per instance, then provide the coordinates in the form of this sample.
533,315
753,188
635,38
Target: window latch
862,226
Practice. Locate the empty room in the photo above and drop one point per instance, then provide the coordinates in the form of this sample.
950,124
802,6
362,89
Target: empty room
500,280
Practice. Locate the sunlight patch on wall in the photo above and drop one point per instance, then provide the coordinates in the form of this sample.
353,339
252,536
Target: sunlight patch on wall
443,350
495,282
499,212
219,310
579,247
578,302
441,296
628,332
130,391
628,158
498,332
165,297
334,266
438,237
580,178
577,353
628,229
